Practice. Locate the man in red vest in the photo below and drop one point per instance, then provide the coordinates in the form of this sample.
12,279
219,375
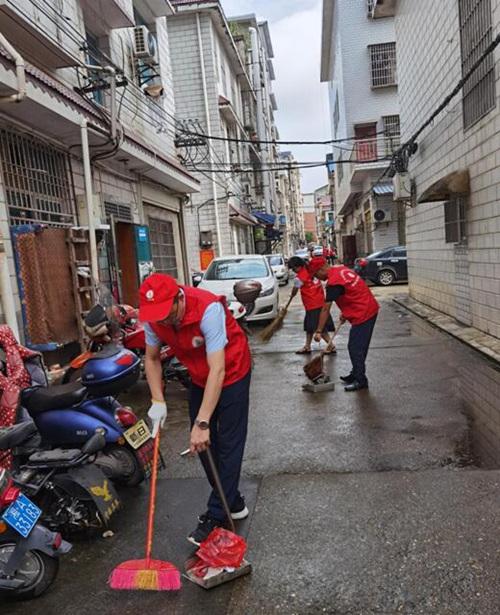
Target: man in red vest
206,338
357,305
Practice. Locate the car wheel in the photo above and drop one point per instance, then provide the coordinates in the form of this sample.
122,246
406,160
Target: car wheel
385,277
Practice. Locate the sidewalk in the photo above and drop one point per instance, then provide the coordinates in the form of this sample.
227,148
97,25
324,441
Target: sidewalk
366,503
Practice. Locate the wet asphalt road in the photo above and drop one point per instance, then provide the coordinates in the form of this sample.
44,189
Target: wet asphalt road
362,503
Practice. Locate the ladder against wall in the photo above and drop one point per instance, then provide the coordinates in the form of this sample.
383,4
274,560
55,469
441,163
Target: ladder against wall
83,285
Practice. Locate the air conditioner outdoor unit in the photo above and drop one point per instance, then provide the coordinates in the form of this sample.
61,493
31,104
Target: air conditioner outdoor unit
145,46
382,215
401,183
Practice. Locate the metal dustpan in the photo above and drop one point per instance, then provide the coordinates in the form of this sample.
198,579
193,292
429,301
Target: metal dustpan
219,576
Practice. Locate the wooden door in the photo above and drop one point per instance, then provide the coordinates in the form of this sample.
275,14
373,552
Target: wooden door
127,263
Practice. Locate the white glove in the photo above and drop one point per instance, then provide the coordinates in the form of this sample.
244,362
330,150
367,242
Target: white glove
158,415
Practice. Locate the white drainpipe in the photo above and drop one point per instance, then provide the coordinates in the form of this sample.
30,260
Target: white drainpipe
6,294
87,174
20,74
209,133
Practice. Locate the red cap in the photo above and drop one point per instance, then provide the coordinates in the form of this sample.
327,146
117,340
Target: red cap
156,297
316,264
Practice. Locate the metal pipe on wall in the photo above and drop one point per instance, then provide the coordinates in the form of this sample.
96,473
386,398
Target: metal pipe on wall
20,73
209,134
87,173
6,294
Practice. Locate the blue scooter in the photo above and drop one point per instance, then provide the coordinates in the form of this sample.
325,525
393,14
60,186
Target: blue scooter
67,415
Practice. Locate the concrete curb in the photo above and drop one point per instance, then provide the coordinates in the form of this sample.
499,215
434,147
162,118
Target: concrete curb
483,343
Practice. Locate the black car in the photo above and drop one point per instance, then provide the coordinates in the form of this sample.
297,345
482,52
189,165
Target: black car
384,267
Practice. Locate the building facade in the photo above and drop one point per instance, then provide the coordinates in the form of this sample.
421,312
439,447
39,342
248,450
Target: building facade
359,62
453,226
222,73
324,199
310,225
290,204
87,133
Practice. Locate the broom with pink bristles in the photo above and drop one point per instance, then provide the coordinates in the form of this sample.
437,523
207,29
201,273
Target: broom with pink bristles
148,574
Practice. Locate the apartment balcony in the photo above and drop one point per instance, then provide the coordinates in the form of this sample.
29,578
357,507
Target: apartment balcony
371,154
382,8
118,14
42,37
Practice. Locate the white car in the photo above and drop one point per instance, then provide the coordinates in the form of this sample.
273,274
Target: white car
223,273
278,265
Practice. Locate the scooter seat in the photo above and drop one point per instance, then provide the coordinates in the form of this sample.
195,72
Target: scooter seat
63,455
16,435
41,399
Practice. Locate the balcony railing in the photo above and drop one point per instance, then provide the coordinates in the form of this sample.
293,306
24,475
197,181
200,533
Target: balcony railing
373,149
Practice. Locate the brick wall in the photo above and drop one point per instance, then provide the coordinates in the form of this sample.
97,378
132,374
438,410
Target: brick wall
464,283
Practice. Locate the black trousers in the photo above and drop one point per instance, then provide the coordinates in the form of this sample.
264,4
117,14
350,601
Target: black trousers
359,342
228,434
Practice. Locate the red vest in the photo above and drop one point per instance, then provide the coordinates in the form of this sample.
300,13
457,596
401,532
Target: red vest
311,291
188,343
357,304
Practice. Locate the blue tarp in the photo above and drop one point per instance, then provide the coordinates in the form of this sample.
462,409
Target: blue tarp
264,218
383,189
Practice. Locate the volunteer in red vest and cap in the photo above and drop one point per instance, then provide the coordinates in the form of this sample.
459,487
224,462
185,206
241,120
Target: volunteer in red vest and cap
313,298
357,305
206,338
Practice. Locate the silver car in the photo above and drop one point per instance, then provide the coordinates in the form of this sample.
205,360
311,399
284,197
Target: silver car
278,265
224,271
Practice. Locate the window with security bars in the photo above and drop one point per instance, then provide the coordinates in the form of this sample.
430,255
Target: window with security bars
455,219
383,65
392,133
475,36
161,236
120,211
35,177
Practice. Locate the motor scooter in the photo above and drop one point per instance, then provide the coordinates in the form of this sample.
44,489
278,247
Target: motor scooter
72,492
68,415
29,552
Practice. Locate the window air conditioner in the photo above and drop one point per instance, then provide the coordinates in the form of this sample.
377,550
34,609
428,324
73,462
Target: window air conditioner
145,46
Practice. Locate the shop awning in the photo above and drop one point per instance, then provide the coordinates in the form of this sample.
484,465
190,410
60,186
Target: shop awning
242,217
452,184
383,190
264,218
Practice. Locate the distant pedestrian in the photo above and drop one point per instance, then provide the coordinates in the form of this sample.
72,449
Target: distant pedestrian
313,298
357,305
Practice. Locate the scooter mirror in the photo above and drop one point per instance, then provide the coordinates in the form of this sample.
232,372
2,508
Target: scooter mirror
95,443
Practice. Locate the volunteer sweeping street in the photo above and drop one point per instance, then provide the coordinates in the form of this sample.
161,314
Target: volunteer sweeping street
206,338
313,298
357,305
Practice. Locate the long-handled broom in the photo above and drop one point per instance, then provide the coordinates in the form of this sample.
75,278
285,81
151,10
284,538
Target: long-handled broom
150,574
267,333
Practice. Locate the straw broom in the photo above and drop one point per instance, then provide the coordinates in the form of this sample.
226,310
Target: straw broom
314,369
148,574
267,333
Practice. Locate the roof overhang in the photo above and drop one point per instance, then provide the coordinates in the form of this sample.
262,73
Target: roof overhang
351,200
383,189
455,183
242,217
152,9
327,53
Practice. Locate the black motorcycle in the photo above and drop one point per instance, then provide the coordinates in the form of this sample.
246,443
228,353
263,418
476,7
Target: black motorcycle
73,493
29,552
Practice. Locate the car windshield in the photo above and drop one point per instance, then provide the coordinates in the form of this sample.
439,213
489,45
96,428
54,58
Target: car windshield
275,260
237,269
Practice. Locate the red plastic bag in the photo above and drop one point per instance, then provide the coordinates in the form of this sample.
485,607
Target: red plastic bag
222,549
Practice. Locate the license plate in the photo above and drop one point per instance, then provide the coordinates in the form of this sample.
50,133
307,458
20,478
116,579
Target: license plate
22,515
137,435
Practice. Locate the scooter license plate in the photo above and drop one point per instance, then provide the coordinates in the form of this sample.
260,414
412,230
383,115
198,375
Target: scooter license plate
22,515
137,435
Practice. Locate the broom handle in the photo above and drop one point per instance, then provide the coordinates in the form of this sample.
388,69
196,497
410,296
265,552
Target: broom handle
289,301
152,498
220,490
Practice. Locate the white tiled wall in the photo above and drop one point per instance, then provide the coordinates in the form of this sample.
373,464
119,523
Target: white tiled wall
429,31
